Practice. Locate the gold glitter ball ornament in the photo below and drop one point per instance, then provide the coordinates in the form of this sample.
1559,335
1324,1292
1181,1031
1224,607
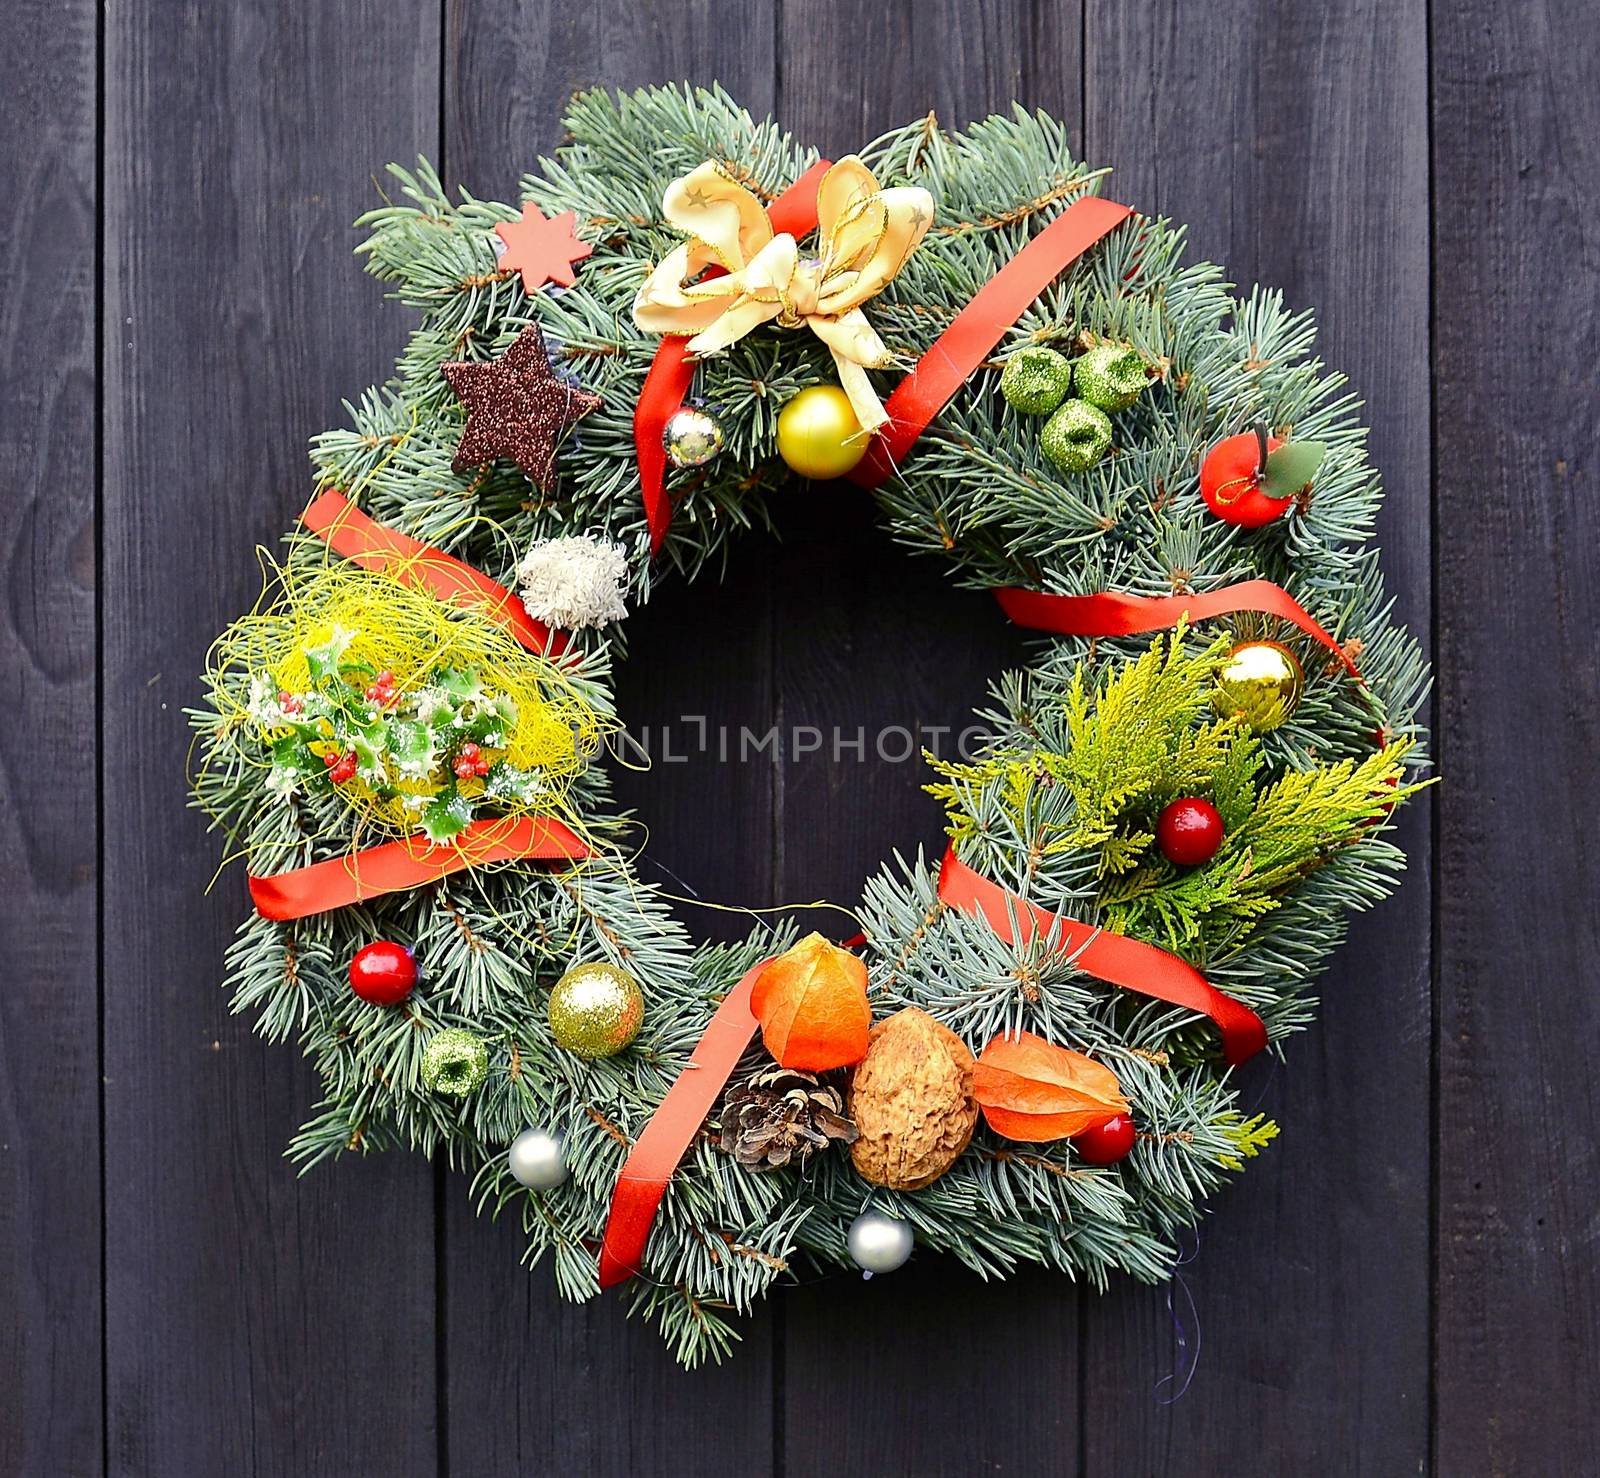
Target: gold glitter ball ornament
691,437
818,434
1260,682
596,1010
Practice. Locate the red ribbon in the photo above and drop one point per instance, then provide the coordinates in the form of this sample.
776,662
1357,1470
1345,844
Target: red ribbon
346,530
978,327
399,865
1114,958
672,370
654,1157
1111,614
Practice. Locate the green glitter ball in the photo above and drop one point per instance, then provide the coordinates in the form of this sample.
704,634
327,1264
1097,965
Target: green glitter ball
1035,381
455,1062
1077,436
596,1010
1110,377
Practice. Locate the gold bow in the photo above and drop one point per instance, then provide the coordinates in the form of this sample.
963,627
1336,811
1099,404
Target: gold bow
866,236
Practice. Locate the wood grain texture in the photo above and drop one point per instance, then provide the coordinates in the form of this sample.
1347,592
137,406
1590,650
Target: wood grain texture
1293,144
255,1323
1516,163
871,639
250,1322
50,1295
533,1379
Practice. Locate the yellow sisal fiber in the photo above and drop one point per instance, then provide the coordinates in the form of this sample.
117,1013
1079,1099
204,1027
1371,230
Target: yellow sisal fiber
391,626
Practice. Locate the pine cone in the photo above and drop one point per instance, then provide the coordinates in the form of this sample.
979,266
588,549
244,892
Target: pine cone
778,1116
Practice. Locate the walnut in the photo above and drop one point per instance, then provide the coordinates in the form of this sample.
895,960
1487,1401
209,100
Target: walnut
911,1099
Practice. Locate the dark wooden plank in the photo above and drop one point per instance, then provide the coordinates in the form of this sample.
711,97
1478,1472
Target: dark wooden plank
50,1294
880,1377
531,1376
1516,158
255,1322
1293,142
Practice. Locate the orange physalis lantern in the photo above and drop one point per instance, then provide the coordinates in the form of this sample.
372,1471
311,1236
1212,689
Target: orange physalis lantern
811,1002
1034,1091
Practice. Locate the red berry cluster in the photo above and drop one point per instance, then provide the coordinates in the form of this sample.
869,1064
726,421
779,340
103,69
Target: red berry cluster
289,703
341,767
381,690
470,761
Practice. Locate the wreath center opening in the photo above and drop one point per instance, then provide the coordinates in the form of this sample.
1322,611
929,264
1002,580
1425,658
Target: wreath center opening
788,767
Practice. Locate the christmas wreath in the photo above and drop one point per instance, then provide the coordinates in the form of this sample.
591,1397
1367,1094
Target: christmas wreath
1026,1055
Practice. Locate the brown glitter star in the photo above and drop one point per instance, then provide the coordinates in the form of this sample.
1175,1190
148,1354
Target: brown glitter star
517,407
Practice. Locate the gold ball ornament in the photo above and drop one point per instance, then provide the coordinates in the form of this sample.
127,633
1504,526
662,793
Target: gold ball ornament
1260,682
596,1010
818,434
692,437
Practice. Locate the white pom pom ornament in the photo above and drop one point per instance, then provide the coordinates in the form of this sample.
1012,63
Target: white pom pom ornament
572,583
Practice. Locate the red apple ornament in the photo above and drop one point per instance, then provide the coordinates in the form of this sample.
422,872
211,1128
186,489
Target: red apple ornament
1189,831
1230,481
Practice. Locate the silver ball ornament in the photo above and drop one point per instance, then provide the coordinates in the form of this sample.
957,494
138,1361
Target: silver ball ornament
536,1160
691,437
879,1243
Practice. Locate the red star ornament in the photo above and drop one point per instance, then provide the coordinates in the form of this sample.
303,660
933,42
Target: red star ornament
517,407
542,248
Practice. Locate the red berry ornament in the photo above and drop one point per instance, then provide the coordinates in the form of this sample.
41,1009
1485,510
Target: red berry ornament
383,973
1106,1143
1189,831
1230,482
470,761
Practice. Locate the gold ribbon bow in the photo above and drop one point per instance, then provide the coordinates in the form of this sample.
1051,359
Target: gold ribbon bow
866,234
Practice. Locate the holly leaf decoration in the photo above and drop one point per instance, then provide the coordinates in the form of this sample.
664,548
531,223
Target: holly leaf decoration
463,686
412,746
508,783
323,660
290,753
370,744
1291,467
446,817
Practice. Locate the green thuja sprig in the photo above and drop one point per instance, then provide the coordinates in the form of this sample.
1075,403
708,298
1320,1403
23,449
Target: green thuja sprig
1141,738
1144,737
1249,1136
1293,827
